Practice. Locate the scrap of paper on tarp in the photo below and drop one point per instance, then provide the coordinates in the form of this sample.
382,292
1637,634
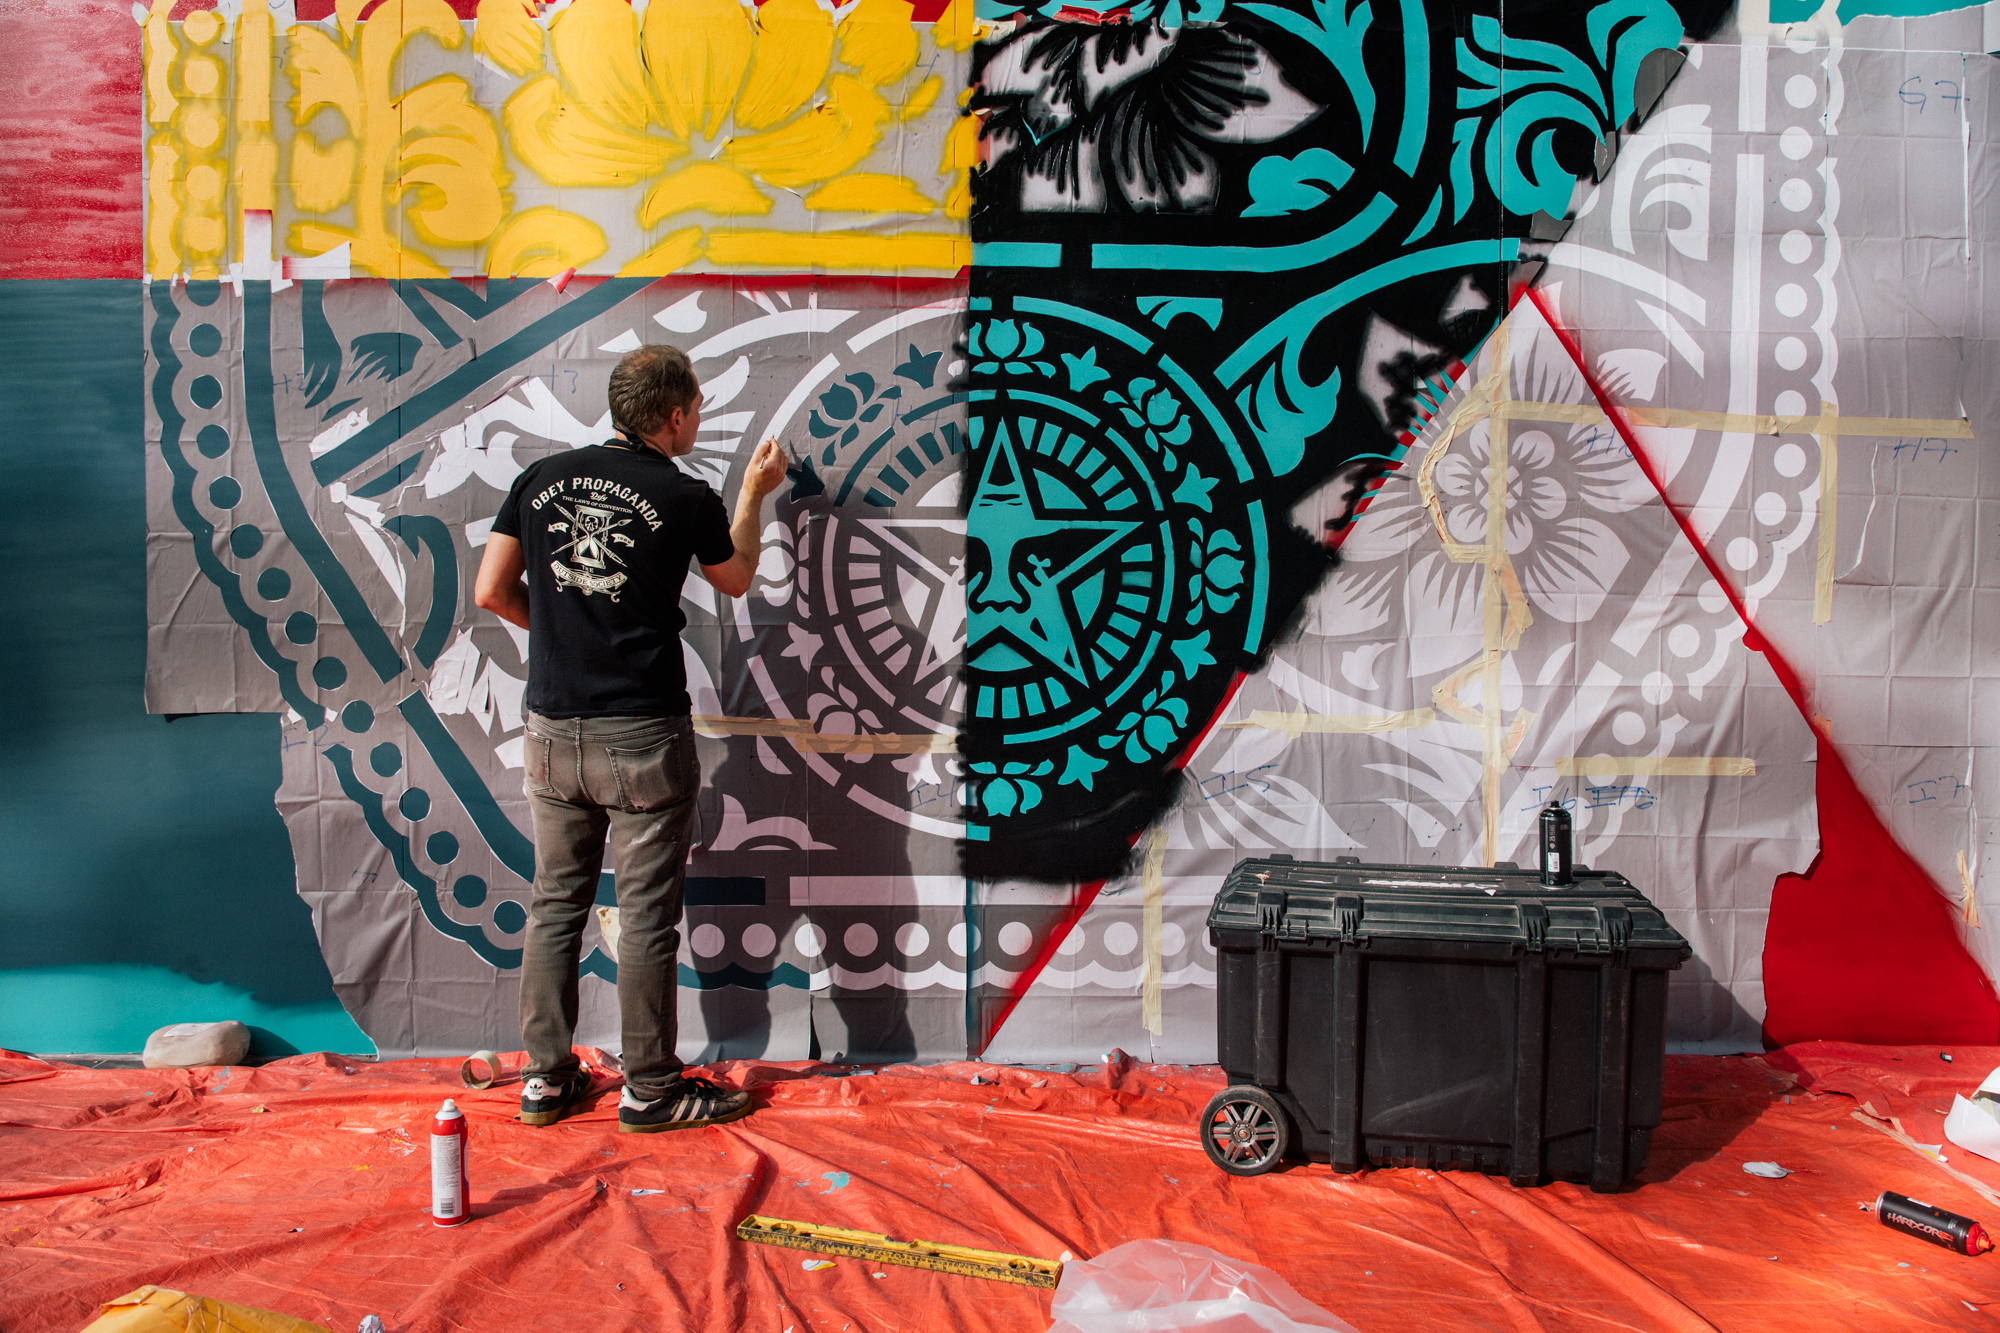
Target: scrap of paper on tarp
161,1310
1974,1123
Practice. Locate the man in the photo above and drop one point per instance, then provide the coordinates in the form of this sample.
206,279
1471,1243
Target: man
604,535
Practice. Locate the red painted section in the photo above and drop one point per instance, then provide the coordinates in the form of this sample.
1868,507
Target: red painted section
71,134
1861,947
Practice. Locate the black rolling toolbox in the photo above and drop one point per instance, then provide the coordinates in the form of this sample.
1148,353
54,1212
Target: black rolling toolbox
1470,1019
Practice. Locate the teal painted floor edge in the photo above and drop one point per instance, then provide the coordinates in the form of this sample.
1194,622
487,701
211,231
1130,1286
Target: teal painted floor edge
111,1008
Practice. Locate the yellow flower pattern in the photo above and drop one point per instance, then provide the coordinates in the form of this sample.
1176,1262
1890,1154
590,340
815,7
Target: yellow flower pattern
539,138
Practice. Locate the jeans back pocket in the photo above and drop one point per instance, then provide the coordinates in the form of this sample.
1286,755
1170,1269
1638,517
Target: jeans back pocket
654,774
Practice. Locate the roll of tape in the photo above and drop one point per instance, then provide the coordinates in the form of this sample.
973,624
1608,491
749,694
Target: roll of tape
472,1079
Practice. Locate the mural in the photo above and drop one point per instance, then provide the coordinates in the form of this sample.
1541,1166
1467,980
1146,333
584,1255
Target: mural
1272,229
1216,428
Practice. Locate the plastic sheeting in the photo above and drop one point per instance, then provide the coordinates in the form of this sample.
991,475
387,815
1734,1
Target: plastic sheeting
300,1187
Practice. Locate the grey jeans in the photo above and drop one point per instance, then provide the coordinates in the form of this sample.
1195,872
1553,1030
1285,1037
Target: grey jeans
635,778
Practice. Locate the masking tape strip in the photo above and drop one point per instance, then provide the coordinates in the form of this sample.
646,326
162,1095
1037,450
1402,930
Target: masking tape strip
1152,880
799,731
1342,723
1657,766
1829,511
1984,1191
493,1074
1968,905
1737,423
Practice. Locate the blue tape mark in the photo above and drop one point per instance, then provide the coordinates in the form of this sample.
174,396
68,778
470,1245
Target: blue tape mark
283,493
398,847
1416,86
224,579
508,843
435,536
1259,560
1302,318
1249,258
1016,254
1090,319
413,412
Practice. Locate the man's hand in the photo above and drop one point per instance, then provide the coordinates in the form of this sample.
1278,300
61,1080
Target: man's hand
767,469
764,475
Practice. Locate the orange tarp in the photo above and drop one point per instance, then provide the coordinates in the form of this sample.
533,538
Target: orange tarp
300,1188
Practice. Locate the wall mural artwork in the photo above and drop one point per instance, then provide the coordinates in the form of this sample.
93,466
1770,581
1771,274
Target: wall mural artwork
1179,473
1223,258
315,557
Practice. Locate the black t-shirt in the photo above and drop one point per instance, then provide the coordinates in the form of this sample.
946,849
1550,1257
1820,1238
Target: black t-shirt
606,532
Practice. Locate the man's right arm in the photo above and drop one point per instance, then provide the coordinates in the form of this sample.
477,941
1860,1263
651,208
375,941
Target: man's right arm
499,587
765,474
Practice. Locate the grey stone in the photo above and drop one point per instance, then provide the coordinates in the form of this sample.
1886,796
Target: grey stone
187,1045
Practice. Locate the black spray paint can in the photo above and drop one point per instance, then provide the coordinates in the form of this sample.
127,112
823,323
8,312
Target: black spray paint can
1555,845
1960,1235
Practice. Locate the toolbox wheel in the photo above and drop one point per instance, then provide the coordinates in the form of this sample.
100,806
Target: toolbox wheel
1244,1131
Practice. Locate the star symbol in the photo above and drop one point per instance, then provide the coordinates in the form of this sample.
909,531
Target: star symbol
1024,557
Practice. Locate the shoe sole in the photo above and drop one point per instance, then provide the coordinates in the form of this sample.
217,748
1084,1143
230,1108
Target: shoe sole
624,1128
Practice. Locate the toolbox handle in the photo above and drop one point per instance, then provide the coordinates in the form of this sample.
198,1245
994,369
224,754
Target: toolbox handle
1270,914
1614,930
1347,917
1534,925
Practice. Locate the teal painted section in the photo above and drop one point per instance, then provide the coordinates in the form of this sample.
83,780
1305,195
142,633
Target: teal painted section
145,876
113,1007
1798,11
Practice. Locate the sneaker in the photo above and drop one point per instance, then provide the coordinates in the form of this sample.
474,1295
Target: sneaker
694,1101
543,1101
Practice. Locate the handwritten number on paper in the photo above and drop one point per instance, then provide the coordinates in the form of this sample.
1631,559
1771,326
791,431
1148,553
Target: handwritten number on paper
1907,449
1224,783
1944,787
1912,93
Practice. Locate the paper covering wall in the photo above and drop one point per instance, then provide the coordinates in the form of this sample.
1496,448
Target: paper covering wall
1172,482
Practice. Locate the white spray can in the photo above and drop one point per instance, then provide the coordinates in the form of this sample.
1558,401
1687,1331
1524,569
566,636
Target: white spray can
451,1195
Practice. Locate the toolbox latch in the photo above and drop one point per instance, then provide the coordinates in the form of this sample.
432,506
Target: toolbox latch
1614,928
1270,915
1347,917
1535,925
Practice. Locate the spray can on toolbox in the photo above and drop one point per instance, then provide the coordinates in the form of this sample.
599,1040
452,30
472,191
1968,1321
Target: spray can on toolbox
451,1195
1960,1235
1555,844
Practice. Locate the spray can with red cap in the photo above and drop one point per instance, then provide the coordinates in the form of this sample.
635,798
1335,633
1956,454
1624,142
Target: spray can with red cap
451,1194
1960,1235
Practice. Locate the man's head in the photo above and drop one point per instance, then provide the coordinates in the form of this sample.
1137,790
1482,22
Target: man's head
655,399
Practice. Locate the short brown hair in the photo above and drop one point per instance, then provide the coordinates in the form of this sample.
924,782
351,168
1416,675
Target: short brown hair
647,384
